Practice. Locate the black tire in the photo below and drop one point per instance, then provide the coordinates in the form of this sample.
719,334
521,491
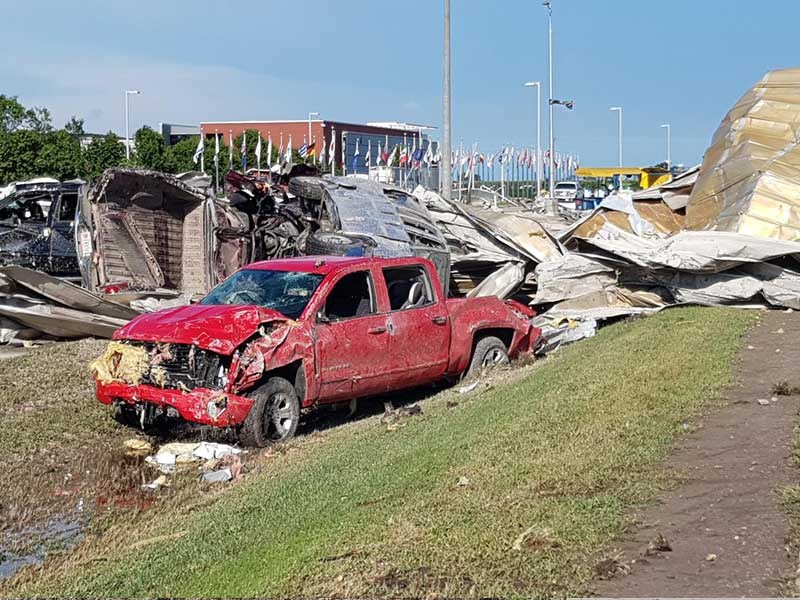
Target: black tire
274,415
125,414
309,188
489,352
330,243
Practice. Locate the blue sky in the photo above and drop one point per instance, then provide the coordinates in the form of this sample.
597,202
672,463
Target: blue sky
684,62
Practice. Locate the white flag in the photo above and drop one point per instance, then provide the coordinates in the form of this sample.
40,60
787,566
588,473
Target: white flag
332,149
230,150
288,156
216,148
258,152
201,146
368,156
269,150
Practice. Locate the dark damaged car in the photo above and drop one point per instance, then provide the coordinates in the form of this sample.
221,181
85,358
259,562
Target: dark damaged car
284,336
37,222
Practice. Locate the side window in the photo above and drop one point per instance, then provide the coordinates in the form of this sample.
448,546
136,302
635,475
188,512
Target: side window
351,297
66,210
409,287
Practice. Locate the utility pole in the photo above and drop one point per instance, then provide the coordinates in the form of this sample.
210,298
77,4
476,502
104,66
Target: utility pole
445,168
552,204
668,127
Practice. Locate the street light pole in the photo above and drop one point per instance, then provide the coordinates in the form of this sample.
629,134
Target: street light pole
311,114
552,205
127,124
538,86
668,127
619,110
445,168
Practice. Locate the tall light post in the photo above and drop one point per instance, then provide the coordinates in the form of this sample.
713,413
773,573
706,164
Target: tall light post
552,204
445,168
538,86
668,127
127,123
619,110
311,114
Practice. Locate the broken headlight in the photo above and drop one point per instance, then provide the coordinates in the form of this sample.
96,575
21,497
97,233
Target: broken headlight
222,377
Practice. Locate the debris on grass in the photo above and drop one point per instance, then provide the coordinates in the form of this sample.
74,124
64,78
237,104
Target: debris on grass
611,566
535,538
658,544
466,389
784,388
137,447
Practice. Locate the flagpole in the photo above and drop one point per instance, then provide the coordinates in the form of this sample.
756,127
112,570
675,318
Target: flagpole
216,162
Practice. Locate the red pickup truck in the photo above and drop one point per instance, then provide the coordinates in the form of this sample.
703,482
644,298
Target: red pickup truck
285,335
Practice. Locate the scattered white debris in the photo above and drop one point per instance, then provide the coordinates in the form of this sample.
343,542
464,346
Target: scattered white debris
763,401
466,389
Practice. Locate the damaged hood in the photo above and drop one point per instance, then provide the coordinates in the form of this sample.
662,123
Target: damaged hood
218,328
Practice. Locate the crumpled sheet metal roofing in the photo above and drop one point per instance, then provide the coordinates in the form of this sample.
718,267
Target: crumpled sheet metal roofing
749,181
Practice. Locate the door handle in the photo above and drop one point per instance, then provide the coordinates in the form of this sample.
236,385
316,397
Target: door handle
376,330
439,320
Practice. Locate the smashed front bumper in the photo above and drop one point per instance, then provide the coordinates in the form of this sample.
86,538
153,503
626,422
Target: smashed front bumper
200,405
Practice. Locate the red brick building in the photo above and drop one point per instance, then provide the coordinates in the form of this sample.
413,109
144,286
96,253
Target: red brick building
347,136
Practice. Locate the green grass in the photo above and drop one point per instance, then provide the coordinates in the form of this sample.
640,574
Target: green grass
569,448
47,398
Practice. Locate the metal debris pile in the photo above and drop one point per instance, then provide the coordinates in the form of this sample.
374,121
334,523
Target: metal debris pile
722,233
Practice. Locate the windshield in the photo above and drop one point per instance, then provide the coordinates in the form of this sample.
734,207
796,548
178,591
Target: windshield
566,186
285,291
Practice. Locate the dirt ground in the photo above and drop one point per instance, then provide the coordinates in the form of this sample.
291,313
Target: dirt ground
724,522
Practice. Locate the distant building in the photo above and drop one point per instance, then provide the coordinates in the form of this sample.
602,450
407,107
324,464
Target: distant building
368,135
174,133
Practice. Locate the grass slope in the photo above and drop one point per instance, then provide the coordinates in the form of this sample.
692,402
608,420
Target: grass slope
562,453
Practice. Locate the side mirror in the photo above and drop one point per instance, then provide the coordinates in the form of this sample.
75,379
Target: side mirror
322,317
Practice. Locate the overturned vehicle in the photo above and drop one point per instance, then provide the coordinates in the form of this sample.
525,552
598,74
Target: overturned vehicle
37,220
146,230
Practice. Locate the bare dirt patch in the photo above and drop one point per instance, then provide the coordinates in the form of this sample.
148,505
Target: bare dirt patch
724,524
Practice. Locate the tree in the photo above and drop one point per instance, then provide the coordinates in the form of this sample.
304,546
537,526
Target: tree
149,149
38,119
103,153
178,157
60,156
12,114
18,152
74,126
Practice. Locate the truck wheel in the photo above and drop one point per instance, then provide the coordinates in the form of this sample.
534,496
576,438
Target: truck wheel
274,415
126,415
309,188
329,243
489,352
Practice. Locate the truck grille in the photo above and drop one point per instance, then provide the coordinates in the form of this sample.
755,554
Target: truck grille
182,366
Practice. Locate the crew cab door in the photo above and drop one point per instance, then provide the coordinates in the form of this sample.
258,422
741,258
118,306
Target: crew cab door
352,349
61,222
419,326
